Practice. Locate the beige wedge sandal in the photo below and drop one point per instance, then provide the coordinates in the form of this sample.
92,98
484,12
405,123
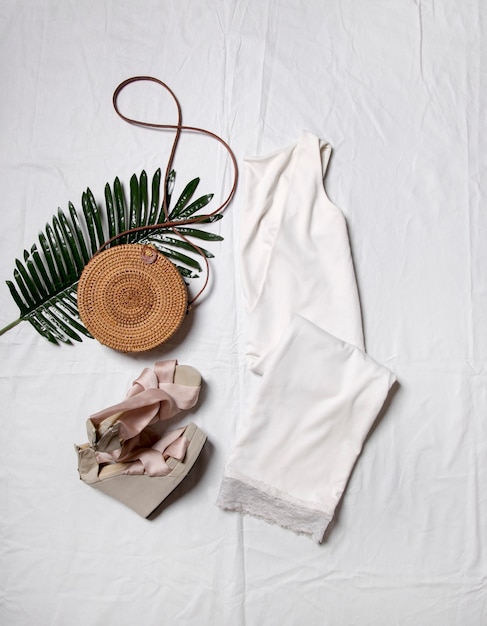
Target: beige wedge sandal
127,456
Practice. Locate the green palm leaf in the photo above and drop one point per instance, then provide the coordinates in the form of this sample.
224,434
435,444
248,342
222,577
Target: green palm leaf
45,282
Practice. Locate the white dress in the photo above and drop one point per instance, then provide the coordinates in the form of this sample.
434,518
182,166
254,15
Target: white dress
319,392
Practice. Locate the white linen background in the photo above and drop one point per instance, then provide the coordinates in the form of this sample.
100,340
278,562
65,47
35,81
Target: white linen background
398,87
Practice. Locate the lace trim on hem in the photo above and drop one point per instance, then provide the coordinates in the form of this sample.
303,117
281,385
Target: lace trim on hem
238,496
271,491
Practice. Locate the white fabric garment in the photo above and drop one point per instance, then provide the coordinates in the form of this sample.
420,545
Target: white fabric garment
320,392
295,250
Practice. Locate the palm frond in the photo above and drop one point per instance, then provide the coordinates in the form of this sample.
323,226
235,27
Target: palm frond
45,282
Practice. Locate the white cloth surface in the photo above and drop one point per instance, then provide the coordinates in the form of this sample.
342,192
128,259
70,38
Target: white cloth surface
399,90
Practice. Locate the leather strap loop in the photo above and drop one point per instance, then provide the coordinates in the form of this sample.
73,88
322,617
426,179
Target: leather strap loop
178,128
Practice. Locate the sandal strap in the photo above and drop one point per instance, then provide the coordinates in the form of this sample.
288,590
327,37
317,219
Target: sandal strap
153,397
148,460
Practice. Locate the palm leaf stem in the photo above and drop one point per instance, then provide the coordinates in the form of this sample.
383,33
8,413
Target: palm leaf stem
11,325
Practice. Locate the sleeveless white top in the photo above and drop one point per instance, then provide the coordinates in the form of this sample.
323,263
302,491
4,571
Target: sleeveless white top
295,250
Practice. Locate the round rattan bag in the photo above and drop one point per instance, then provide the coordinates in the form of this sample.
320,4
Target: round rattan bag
132,298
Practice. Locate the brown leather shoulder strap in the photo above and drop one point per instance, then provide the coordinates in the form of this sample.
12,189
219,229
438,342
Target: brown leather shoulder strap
178,127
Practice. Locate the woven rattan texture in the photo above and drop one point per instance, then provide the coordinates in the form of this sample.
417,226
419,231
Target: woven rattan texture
131,304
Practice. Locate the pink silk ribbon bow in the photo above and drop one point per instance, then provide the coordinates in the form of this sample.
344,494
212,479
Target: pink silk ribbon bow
153,397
